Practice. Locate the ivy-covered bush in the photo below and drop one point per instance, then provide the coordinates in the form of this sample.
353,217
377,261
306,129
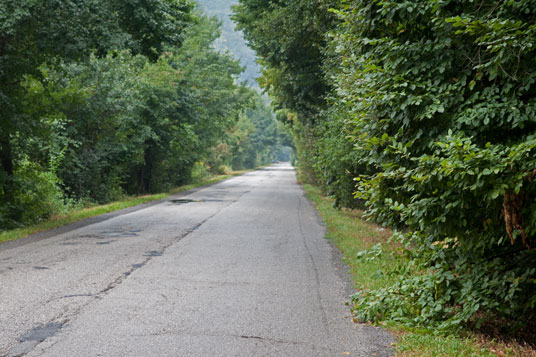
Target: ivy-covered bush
442,96
336,163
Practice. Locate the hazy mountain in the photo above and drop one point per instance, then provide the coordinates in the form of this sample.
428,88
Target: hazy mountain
231,39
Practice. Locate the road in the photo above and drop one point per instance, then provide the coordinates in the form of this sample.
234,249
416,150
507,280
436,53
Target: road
240,268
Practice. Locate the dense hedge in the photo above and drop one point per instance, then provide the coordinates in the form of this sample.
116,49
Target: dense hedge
442,96
431,108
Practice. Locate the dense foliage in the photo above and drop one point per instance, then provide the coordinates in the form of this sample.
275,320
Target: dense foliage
289,37
445,113
430,105
105,98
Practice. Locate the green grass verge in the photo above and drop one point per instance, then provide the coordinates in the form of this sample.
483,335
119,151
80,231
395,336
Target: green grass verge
351,234
94,211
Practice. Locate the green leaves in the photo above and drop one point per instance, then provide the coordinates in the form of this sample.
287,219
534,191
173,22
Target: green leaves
371,253
53,34
154,25
448,137
289,40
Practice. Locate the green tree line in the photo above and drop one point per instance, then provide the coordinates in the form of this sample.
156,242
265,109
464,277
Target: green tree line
99,99
423,113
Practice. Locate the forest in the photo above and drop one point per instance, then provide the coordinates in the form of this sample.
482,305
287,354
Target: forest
102,99
422,114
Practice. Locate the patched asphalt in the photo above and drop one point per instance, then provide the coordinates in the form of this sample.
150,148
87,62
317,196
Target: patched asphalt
240,268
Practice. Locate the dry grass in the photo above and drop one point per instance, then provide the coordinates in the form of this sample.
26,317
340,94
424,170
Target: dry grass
505,347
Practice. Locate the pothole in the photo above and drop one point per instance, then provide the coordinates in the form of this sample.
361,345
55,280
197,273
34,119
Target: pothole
41,333
181,201
33,337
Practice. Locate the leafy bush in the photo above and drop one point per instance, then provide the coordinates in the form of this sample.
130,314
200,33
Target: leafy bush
442,96
336,163
37,193
200,172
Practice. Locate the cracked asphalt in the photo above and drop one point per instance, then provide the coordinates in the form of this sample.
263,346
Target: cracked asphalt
240,268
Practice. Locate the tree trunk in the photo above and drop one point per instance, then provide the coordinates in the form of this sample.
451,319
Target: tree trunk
140,178
6,165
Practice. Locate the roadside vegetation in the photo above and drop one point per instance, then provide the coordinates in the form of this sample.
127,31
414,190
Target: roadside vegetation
422,114
100,100
80,212
374,260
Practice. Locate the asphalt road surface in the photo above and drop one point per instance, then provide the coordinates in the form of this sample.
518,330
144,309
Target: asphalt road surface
240,268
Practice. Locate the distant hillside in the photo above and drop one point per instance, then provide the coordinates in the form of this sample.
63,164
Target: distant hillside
231,39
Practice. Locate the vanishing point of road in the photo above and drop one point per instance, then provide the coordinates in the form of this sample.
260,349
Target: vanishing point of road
240,268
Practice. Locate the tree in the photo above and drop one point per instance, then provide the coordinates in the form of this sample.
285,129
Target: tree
289,39
35,33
